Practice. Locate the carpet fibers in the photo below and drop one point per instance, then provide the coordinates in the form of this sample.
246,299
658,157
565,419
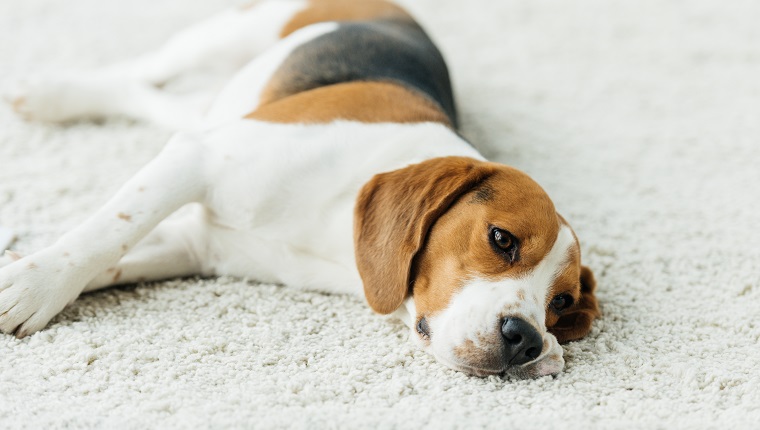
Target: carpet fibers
642,121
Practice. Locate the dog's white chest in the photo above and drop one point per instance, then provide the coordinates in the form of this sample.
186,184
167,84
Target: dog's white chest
280,204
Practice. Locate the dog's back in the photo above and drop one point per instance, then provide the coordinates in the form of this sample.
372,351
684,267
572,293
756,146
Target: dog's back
377,55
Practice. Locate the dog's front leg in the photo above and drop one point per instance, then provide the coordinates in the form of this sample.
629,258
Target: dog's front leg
175,248
35,288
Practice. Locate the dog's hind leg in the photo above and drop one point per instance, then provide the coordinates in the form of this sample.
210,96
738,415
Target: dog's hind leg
216,47
35,288
221,44
75,96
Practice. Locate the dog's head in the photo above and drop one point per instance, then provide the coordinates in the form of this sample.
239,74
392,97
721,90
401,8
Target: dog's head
488,270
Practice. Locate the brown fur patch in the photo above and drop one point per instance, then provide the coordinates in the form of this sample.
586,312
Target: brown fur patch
393,214
575,322
369,102
378,66
343,10
458,246
125,217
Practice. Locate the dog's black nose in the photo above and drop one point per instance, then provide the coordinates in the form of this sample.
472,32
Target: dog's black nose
523,343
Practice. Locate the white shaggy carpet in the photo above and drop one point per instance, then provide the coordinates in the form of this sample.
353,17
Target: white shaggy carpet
641,119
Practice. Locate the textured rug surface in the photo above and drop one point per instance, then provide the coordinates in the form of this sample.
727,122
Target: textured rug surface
641,119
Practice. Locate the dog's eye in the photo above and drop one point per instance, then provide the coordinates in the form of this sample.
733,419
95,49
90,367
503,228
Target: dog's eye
561,302
502,239
504,242
423,329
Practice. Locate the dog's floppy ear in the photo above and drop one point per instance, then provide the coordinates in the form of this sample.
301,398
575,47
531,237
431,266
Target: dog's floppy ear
576,323
393,214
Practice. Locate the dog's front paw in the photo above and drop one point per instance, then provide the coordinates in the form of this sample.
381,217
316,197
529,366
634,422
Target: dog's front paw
32,291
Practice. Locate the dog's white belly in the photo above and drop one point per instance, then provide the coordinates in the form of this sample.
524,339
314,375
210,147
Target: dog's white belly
299,251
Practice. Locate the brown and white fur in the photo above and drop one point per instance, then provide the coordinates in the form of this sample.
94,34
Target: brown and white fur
330,187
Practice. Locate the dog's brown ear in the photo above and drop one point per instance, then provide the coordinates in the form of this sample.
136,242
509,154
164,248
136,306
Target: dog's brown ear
576,323
393,214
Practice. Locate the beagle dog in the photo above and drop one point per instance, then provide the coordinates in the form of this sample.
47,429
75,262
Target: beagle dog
329,161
